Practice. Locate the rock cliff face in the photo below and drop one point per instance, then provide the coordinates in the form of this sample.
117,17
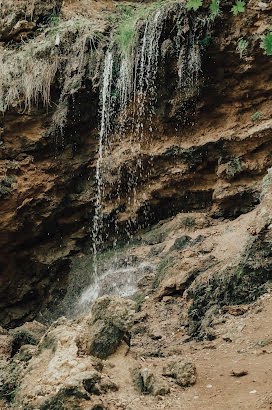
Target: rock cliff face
135,147
207,152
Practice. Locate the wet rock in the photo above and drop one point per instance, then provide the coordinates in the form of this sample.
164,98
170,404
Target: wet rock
146,382
104,339
109,323
184,372
117,311
167,48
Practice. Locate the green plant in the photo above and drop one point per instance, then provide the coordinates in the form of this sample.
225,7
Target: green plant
6,185
127,34
162,271
234,167
187,222
266,42
53,20
238,8
20,338
139,299
214,8
242,46
256,116
205,42
194,4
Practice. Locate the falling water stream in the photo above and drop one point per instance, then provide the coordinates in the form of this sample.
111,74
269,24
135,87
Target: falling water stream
136,82
103,137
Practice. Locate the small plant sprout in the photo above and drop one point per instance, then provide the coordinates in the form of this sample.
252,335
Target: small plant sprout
256,116
266,43
238,8
194,4
214,8
242,46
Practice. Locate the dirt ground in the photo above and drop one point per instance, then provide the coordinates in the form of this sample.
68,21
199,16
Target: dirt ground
243,346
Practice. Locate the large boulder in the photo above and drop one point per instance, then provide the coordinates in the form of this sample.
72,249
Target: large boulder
109,323
115,310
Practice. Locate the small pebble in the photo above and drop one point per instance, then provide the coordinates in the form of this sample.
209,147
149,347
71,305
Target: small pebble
209,386
253,392
196,397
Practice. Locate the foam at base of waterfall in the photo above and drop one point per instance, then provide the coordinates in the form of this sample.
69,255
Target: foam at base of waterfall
116,282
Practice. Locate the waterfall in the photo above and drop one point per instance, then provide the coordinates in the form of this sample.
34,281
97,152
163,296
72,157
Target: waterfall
134,87
103,139
92,292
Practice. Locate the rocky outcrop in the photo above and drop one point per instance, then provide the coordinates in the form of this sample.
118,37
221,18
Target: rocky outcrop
205,154
110,322
19,19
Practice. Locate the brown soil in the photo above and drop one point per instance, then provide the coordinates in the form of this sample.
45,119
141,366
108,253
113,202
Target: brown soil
243,344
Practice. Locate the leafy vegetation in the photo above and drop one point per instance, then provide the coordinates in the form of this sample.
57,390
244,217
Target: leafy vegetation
162,271
256,116
234,167
238,8
194,4
214,6
139,299
129,16
6,185
242,46
27,72
266,42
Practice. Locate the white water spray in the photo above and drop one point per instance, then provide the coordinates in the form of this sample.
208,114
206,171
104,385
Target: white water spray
103,138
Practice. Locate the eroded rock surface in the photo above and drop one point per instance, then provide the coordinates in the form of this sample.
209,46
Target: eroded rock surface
207,155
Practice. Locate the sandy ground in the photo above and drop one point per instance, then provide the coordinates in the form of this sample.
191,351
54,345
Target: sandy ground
243,345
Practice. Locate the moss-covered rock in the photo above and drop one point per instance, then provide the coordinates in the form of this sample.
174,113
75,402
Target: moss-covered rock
237,284
68,398
104,339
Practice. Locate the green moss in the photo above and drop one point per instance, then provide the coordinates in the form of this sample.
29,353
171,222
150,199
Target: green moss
139,299
181,243
6,185
65,399
127,32
105,339
20,338
156,235
48,342
162,271
244,284
187,222
234,167
9,380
